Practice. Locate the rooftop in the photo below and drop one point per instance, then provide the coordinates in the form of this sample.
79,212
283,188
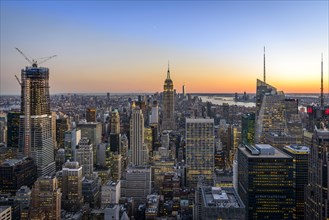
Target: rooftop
219,197
262,151
297,149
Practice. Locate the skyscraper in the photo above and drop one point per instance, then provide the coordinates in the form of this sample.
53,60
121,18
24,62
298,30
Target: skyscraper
115,137
84,155
248,128
72,198
46,197
13,129
168,120
300,162
35,127
200,150
317,196
91,114
265,182
138,149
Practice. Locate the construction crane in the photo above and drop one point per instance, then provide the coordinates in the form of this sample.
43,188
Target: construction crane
18,80
35,62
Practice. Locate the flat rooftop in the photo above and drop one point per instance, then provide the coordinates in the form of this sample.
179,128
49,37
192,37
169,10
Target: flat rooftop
221,197
262,151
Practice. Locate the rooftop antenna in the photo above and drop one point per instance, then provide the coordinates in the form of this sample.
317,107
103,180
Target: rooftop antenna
322,81
264,67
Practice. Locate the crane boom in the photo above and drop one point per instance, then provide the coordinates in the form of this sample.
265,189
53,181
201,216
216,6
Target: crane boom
18,80
34,62
26,58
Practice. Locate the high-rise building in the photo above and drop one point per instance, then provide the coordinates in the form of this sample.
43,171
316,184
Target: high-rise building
91,114
72,138
23,196
115,136
35,127
200,150
136,182
262,88
248,128
5,213
300,164
84,155
13,119
265,182
154,117
72,199
62,125
15,173
46,197
168,99
214,203
138,150
111,193
53,128
317,196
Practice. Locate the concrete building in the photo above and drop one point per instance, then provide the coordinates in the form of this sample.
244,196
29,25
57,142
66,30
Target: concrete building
112,211
111,193
72,138
219,203
46,197
265,182
84,155
200,150
136,182
5,213
91,114
91,190
139,152
23,197
72,198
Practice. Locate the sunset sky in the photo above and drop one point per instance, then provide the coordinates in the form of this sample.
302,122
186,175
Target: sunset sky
212,46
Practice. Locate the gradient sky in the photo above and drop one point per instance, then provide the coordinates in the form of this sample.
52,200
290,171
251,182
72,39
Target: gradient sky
212,46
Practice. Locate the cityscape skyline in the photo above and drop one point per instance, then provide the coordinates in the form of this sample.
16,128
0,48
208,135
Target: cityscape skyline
124,46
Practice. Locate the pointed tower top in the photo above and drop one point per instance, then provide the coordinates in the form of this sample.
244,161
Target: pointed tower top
321,95
264,67
168,72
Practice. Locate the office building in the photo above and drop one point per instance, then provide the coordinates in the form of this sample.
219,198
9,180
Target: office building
115,136
5,213
200,150
13,119
154,117
139,151
214,203
15,173
91,190
168,101
317,196
111,193
300,164
112,211
265,182
72,138
72,198
84,155
136,182
35,125
46,197
91,114
248,128
62,125
23,197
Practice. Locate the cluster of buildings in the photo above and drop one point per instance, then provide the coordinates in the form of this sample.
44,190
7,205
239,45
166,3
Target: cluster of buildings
161,156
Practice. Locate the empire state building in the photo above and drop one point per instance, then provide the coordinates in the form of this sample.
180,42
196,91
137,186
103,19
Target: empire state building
168,120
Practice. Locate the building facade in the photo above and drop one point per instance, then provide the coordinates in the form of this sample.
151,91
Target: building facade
168,100
36,139
265,182
200,150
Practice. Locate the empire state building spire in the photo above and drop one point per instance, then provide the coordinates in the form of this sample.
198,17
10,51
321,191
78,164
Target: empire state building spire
168,72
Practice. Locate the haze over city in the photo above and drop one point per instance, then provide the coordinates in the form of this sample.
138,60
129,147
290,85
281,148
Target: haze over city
213,46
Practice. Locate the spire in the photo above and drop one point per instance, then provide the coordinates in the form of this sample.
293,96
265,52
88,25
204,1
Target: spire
322,81
264,67
168,72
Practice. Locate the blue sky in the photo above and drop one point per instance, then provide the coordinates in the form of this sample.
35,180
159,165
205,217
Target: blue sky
213,46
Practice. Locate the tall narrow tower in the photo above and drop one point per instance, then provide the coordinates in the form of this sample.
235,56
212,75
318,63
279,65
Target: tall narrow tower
264,68
138,154
322,105
168,120
35,128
